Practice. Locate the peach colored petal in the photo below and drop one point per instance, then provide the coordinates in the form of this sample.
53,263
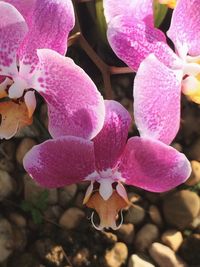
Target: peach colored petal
13,116
107,209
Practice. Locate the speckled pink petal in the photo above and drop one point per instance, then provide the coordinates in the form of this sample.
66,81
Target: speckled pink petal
153,166
51,23
25,7
157,95
132,40
141,9
185,27
12,31
74,103
111,140
60,162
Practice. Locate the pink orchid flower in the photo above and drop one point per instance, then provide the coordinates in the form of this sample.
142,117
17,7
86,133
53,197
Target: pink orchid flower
163,74
26,68
108,162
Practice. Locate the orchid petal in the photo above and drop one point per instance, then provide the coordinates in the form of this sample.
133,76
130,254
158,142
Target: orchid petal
60,162
111,140
25,7
141,9
153,166
53,20
13,116
75,106
12,31
157,93
132,40
30,102
185,26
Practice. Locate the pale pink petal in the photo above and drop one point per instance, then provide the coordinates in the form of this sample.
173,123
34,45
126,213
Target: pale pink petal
141,9
30,102
74,103
51,23
60,162
12,31
110,142
25,7
185,27
132,40
157,94
153,166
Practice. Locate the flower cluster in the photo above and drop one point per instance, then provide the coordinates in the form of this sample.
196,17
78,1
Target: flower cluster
90,134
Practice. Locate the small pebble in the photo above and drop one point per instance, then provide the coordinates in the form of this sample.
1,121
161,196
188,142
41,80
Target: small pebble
25,145
155,215
137,261
71,218
126,233
6,184
116,256
173,239
32,191
148,234
66,194
195,175
164,256
6,239
181,208
135,215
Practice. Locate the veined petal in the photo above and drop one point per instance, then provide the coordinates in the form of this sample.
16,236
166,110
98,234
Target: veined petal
12,31
59,162
157,94
185,26
51,23
75,106
13,116
141,9
153,166
111,140
25,7
132,40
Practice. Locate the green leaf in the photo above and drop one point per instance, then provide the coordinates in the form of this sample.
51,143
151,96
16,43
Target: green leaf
41,202
36,216
26,205
160,12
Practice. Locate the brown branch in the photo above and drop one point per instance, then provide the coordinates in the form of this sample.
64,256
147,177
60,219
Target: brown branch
104,68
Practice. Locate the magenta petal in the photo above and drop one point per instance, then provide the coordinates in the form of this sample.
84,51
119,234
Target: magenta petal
132,40
185,27
51,23
25,7
74,103
157,93
141,9
110,142
153,166
60,162
12,31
